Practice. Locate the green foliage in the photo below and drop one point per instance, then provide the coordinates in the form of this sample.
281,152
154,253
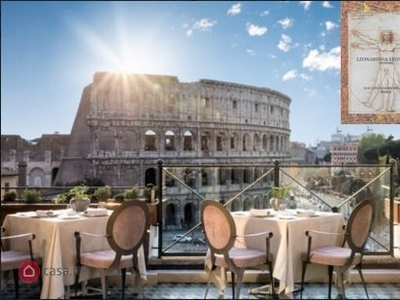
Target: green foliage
280,192
102,193
368,148
119,197
132,193
79,191
60,198
10,196
31,196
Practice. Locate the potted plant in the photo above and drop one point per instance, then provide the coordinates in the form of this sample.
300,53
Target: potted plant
80,198
278,197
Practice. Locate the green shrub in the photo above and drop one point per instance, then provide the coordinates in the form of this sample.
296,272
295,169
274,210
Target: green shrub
60,198
31,196
102,193
10,196
132,193
119,197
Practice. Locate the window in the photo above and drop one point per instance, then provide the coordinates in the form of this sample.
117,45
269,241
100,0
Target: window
219,143
169,141
234,104
150,141
187,141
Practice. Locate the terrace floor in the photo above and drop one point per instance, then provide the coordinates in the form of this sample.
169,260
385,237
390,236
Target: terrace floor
381,289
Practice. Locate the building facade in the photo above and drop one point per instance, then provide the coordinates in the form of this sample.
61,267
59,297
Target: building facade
125,123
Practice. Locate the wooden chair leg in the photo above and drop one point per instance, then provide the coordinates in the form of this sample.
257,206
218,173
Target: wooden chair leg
104,284
303,275
330,273
362,279
239,280
208,283
233,284
123,278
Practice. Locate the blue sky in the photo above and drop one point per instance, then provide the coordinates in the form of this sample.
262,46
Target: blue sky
50,51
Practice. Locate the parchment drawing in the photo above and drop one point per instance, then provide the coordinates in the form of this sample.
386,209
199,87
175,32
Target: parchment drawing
374,63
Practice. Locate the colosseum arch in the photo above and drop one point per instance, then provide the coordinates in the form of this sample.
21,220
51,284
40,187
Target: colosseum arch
170,215
235,205
188,141
169,141
247,204
150,141
234,141
271,143
246,142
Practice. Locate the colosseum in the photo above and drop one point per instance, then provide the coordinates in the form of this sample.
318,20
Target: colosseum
126,122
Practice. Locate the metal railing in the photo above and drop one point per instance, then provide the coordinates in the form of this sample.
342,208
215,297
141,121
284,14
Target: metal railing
335,188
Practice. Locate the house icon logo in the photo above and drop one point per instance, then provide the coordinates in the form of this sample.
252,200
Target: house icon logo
29,271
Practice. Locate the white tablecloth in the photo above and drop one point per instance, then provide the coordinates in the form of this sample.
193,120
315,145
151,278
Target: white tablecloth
287,243
55,242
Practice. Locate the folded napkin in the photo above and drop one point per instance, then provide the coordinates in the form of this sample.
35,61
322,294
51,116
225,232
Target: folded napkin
260,212
305,212
44,213
96,211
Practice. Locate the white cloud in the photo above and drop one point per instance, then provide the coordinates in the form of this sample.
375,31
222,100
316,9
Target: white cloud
251,52
264,13
322,61
330,25
305,4
201,25
204,24
235,9
291,74
286,23
326,4
284,43
255,30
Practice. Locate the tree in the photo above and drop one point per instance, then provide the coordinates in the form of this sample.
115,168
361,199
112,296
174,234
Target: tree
368,148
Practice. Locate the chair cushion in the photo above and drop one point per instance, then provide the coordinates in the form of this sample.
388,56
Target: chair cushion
12,259
243,257
333,256
102,259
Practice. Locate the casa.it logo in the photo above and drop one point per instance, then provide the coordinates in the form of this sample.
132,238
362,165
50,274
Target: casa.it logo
28,271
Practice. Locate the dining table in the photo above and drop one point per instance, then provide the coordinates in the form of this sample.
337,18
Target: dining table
55,242
288,242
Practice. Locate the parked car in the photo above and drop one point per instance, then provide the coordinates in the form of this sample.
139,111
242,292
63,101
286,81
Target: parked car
181,238
199,241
